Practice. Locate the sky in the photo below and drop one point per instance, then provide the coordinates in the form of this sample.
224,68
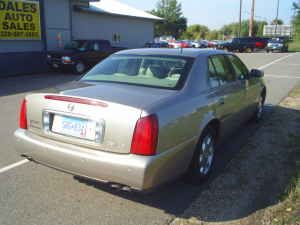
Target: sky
216,13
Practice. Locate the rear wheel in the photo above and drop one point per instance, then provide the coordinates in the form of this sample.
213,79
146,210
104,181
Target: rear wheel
248,50
204,155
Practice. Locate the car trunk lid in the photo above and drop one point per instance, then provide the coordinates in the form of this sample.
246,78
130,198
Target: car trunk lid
107,111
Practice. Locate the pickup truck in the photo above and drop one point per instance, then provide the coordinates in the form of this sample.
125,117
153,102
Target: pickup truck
246,44
80,55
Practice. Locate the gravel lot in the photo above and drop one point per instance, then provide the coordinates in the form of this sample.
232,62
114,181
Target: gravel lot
32,194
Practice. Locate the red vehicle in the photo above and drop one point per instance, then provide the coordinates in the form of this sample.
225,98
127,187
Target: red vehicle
179,44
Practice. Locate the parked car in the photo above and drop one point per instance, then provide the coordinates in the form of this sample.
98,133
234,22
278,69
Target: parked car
195,44
278,45
80,55
180,44
204,44
157,45
142,117
248,44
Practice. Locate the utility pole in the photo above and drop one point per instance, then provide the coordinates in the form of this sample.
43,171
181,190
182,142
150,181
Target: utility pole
251,22
276,20
240,19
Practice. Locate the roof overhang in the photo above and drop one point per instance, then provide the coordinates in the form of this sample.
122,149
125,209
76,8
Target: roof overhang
115,8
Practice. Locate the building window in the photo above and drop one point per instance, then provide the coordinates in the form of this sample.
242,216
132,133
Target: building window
116,38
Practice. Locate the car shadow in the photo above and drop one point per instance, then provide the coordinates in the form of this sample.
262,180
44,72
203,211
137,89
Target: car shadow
176,197
11,85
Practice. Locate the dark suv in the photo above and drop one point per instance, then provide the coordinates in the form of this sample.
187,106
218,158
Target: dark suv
247,44
79,55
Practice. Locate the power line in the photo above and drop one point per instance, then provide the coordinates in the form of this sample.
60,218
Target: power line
256,16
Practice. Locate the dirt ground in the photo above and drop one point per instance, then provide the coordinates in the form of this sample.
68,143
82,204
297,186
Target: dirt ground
252,190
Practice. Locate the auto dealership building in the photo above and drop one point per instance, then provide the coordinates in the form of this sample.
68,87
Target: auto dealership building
28,29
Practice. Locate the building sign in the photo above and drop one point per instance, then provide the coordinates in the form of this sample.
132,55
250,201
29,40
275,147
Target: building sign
20,20
278,30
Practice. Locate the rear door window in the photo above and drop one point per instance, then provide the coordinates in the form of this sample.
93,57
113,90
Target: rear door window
213,78
240,70
223,69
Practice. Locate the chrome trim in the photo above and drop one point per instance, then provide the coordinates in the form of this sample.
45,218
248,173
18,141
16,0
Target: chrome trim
46,121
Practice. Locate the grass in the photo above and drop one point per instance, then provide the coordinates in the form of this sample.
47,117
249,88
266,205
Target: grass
294,46
289,212
295,92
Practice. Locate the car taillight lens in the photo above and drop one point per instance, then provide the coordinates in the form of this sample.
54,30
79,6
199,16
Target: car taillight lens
144,140
23,115
259,44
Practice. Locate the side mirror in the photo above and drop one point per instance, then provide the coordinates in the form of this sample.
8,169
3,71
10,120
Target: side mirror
256,73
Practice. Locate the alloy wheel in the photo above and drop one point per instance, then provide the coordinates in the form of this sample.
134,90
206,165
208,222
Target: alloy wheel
206,155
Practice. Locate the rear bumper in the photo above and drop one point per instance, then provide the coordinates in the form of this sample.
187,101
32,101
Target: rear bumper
275,48
137,172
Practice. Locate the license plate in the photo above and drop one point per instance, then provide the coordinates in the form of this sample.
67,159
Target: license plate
74,127
55,65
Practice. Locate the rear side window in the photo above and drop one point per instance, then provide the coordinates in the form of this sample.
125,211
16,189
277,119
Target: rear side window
212,75
222,69
240,70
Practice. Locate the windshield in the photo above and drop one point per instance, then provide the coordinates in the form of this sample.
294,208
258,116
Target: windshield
154,71
77,45
276,40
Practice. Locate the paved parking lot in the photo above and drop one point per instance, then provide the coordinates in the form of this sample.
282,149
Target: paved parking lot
32,194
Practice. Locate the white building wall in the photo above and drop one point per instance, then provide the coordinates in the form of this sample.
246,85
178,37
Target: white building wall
57,23
133,32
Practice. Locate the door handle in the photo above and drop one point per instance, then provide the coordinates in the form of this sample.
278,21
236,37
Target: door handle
221,101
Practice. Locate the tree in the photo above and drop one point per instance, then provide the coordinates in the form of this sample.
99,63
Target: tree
277,21
174,22
214,35
232,29
296,20
195,32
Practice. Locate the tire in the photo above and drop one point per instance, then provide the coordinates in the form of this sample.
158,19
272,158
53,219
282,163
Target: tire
204,155
258,115
248,50
79,67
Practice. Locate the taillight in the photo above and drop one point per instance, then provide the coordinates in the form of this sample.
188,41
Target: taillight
259,44
23,115
144,140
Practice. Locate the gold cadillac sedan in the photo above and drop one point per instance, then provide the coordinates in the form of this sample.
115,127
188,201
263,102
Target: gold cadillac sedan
142,117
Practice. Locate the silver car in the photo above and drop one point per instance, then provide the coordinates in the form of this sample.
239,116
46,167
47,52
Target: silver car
142,117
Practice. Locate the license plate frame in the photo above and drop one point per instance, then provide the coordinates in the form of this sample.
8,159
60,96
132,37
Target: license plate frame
48,122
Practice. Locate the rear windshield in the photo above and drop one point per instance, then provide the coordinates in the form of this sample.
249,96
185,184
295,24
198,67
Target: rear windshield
276,40
77,45
153,71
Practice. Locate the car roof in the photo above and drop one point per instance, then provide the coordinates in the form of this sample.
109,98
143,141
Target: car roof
185,52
